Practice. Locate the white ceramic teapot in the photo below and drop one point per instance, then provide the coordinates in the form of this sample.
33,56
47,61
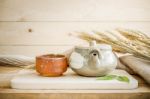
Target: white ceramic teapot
95,60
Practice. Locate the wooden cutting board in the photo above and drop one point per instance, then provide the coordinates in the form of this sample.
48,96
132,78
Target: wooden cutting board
29,79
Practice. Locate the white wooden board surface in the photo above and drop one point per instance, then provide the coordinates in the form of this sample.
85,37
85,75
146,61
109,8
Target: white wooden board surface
57,33
52,37
29,79
74,10
33,27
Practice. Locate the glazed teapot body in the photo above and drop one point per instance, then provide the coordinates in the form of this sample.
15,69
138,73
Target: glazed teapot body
95,60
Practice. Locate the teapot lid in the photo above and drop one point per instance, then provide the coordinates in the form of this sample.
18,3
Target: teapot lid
105,46
94,45
101,46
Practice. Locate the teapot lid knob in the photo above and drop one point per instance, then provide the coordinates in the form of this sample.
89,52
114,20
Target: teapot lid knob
93,43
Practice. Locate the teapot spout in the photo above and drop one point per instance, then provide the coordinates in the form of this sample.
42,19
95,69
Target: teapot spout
95,54
94,59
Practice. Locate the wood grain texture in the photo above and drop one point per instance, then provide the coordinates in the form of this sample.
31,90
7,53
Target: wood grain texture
34,38
143,88
75,96
57,33
33,50
74,10
143,92
33,27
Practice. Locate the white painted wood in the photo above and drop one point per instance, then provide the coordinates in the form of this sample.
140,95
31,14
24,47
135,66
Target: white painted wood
33,50
29,79
33,27
75,10
57,33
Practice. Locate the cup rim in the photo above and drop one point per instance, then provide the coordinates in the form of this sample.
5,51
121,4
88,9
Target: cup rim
52,56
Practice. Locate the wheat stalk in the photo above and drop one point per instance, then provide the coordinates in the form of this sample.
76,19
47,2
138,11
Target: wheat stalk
134,42
135,35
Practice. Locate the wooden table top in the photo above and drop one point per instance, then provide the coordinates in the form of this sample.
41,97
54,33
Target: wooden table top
142,92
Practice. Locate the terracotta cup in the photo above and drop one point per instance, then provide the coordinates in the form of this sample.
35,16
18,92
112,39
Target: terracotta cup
51,65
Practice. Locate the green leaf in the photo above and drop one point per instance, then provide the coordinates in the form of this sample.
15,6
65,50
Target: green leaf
123,79
107,77
111,77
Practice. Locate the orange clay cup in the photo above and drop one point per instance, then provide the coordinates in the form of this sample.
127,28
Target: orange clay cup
51,65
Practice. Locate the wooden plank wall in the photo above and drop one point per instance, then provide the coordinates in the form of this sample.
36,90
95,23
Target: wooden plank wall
34,27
